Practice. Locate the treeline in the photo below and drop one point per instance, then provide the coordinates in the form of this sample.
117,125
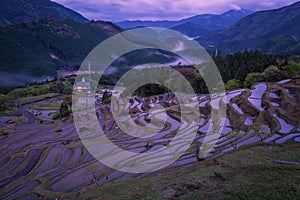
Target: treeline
61,85
8,100
238,65
238,70
243,69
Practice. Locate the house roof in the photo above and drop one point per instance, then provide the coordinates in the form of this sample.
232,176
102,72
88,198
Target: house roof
83,84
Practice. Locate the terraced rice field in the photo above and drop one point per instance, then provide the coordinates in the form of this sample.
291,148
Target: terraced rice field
49,157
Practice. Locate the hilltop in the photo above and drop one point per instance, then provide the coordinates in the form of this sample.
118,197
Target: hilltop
16,11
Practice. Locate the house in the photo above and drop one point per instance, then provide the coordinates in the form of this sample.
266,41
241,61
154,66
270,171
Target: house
83,86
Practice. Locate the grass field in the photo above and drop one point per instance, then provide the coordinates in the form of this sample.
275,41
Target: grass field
46,106
27,100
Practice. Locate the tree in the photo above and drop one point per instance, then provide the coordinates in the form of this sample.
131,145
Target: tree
233,84
106,98
273,74
252,78
190,74
3,102
238,65
65,108
292,69
67,90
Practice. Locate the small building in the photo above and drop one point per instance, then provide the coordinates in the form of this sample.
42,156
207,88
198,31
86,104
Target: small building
83,86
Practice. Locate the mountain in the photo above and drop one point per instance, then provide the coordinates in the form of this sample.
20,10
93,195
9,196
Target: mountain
217,22
16,11
41,47
37,37
191,29
128,24
209,22
272,31
32,51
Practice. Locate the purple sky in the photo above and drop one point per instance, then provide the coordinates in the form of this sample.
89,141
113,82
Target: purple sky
119,10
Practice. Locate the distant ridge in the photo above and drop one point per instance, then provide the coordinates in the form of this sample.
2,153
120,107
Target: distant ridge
191,29
209,22
272,31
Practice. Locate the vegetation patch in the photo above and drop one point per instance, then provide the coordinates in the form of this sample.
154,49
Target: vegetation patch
45,106
31,99
247,173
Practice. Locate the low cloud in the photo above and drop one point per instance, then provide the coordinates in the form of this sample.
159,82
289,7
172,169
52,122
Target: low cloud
9,79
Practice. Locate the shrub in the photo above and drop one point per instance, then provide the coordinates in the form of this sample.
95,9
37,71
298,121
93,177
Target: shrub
273,74
233,84
65,108
292,69
252,78
106,98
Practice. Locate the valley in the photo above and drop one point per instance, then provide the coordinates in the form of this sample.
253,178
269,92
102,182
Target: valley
153,124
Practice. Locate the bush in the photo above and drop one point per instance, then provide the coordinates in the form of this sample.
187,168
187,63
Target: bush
3,102
67,90
273,74
252,78
6,102
106,98
292,69
233,84
56,115
65,108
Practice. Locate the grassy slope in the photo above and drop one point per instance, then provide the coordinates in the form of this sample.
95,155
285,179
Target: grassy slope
46,106
27,100
248,173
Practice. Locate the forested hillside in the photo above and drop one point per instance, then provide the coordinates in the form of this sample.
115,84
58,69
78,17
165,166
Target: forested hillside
16,11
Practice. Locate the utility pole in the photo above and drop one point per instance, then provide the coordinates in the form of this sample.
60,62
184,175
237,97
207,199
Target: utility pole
169,89
89,89
216,53
89,68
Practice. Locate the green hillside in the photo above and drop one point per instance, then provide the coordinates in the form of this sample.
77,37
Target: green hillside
39,48
16,11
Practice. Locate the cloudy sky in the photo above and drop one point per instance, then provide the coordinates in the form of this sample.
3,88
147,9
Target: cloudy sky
119,10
